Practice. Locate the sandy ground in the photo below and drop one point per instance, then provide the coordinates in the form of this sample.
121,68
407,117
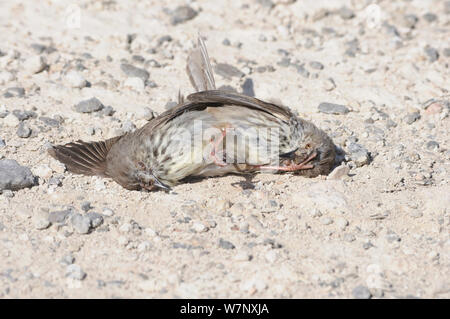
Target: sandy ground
380,232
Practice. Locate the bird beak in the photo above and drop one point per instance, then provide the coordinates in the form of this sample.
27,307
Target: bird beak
159,184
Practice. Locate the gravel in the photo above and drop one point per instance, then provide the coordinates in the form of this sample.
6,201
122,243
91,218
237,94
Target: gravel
75,272
134,72
14,176
227,71
82,224
23,131
182,14
331,108
15,92
75,79
359,154
432,54
59,217
225,244
35,64
432,145
247,87
89,106
412,117
361,292
346,13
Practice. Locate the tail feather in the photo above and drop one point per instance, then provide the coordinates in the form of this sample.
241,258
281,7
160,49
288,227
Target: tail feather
199,68
84,158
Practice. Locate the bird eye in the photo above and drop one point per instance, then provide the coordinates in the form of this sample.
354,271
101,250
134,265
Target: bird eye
308,145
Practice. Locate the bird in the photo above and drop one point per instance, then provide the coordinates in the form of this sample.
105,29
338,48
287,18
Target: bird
209,133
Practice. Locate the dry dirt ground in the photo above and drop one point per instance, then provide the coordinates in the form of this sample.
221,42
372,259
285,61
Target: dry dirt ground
380,231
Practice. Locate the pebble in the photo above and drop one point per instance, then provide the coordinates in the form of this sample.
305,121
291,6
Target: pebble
82,224
227,71
67,260
6,77
429,17
432,54
302,70
134,83
15,91
132,71
226,42
95,218
2,143
325,220
23,131
271,256
346,13
242,256
247,88
432,145
75,272
225,244
75,80
14,176
199,228
11,120
107,212
339,172
341,222
412,117
128,126
359,154
34,64
411,20
24,115
85,206
331,108
43,171
89,106
182,14
316,65
59,217
41,223
361,292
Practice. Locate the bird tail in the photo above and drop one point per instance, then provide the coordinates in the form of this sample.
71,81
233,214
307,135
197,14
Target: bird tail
84,158
199,68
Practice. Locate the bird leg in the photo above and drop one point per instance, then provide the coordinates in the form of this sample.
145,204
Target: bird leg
214,151
293,167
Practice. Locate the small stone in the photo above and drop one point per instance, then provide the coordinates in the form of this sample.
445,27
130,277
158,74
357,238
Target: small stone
392,237
339,172
225,244
226,42
2,143
41,223
349,238
134,83
14,176
75,272
38,48
128,126
11,120
125,228
411,20
24,115
43,171
123,241
316,65
247,88
16,91
95,218
346,13
82,224
182,14
432,146
429,17
89,106
341,222
359,154
227,71
67,260
328,85
361,292
242,256
331,108
302,71
108,212
23,131
132,71
34,64
412,117
199,228
432,54
75,80
326,220
6,77
85,206
59,217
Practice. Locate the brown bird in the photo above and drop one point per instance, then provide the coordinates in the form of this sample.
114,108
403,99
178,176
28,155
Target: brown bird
212,133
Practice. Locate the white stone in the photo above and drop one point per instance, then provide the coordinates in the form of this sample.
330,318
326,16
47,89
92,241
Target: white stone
34,64
75,79
125,228
199,228
11,120
339,172
43,171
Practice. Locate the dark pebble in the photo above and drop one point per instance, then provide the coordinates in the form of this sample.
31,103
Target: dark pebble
138,58
95,218
132,71
14,176
432,145
89,106
164,38
331,108
24,115
85,206
49,121
23,131
247,88
432,54
107,111
225,244
59,217
302,70
316,65
226,42
182,14
412,117
429,17
227,70
16,91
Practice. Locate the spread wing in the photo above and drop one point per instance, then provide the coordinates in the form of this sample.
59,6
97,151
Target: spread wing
199,68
